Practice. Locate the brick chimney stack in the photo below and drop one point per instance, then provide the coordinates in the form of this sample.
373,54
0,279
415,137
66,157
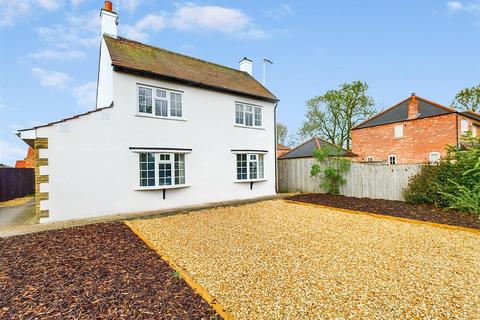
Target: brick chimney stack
413,107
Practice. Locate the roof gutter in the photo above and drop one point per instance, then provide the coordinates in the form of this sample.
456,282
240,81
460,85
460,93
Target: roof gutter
188,82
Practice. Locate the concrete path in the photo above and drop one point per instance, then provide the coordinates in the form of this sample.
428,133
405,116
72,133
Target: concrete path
18,215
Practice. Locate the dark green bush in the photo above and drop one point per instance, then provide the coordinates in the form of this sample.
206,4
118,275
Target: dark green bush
453,183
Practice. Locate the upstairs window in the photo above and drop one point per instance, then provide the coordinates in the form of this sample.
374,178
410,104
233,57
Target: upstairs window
370,159
398,131
392,159
161,169
160,102
434,157
248,115
250,166
464,126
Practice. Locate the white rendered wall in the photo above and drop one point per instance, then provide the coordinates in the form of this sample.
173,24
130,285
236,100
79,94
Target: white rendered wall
93,172
105,78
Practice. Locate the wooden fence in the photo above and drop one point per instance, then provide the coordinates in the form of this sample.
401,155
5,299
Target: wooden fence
16,182
376,181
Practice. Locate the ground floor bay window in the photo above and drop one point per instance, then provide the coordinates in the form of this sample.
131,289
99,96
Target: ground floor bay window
159,170
250,166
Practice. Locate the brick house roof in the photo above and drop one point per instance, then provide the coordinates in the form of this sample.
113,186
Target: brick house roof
306,149
136,57
399,113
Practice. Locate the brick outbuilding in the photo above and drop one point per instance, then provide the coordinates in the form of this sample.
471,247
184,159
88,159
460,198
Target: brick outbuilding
415,130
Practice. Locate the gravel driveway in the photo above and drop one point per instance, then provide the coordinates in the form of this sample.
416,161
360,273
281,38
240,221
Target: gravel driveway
278,260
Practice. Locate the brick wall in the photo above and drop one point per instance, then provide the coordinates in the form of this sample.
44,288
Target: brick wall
420,137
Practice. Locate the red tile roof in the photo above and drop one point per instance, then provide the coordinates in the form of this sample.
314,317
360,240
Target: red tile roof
136,57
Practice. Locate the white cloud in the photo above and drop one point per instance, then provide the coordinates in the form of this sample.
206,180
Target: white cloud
76,3
85,94
53,79
9,152
150,23
457,6
129,5
196,18
279,12
454,6
60,55
78,31
50,5
12,10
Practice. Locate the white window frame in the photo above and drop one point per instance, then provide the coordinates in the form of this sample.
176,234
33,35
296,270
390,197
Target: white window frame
157,162
260,166
389,159
430,157
154,97
398,131
464,127
475,130
253,113
370,159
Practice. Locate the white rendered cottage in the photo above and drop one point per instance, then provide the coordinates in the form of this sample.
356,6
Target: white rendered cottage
168,131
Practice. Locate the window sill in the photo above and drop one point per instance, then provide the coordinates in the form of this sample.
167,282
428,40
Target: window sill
247,127
249,180
176,186
158,117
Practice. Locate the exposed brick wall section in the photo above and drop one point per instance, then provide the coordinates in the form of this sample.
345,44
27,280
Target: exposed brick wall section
40,143
471,123
420,137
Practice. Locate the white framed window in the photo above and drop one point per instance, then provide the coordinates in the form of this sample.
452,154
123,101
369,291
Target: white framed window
248,115
398,131
370,159
434,157
250,166
159,102
474,130
161,169
464,126
392,159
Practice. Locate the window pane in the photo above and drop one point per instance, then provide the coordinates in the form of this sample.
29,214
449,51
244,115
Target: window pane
253,169
144,100
165,174
261,170
241,166
164,157
179,168
175,104
249,119
258,117
147,169
161,93
239,114
161,108
392,160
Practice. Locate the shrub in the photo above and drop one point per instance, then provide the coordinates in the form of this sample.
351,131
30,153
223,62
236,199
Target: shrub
332,177
453,183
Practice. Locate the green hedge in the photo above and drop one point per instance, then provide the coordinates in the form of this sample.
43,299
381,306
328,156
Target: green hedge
453,183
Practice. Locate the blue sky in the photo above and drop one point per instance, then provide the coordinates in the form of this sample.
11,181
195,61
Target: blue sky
49,50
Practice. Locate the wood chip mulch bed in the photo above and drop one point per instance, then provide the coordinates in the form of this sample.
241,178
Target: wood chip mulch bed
392,208
100,271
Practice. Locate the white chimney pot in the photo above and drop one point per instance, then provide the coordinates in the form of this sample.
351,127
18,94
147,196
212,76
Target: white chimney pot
246,65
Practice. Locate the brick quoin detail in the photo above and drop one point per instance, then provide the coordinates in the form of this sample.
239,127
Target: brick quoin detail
40,143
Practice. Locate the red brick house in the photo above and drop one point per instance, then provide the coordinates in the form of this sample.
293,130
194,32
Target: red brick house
28,162
413,131
282,149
